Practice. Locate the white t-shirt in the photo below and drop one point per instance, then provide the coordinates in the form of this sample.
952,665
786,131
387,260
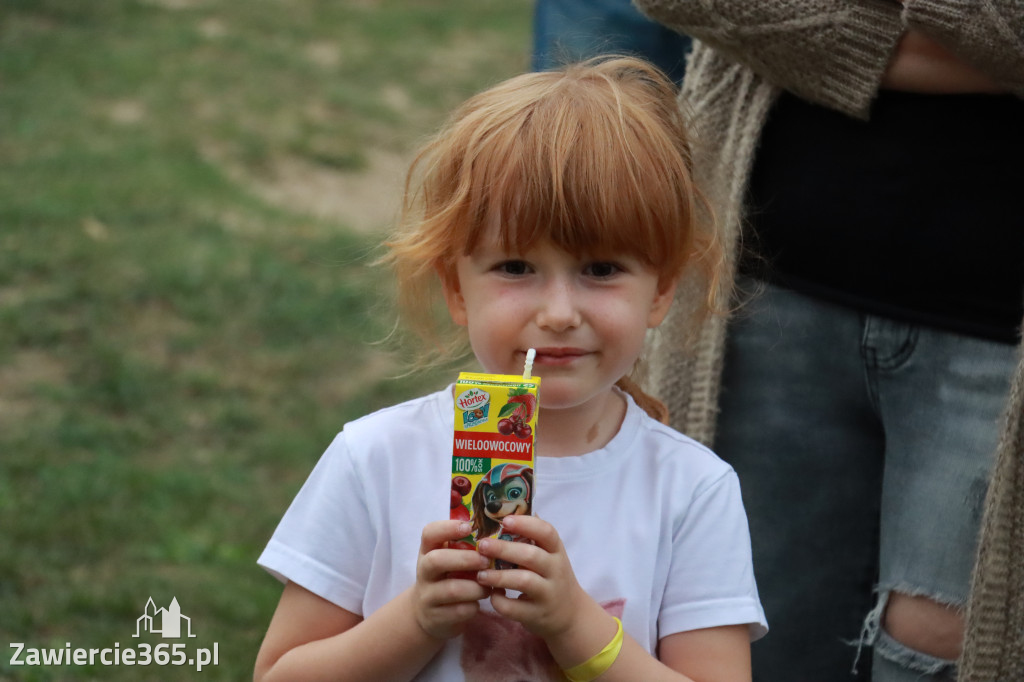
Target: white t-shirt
653,524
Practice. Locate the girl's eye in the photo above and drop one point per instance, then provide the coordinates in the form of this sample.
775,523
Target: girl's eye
602,270
513,267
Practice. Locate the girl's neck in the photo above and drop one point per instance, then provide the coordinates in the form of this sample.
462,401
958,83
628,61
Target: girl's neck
578,430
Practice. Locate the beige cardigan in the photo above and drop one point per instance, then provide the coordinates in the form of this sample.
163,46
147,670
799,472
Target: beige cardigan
834,52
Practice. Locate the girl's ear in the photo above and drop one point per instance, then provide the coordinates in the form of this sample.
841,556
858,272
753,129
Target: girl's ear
453,295
662,302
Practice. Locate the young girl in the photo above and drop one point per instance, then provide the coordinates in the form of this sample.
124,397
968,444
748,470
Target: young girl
555,211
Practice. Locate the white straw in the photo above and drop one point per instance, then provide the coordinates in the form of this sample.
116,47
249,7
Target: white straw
528,367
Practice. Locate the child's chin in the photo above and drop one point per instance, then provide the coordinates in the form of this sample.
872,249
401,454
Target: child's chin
555,397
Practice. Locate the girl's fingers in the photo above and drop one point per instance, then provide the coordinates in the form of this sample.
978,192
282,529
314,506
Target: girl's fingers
534,528
444,620
451,592
511,608
524,581
436,560
436,533
519,553
434,565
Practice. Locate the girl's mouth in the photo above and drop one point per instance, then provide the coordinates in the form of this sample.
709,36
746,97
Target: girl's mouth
558,356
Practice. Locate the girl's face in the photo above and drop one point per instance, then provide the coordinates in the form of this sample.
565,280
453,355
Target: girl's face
586,317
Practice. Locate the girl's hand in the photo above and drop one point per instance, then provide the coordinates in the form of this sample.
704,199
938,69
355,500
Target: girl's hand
442,605
551,597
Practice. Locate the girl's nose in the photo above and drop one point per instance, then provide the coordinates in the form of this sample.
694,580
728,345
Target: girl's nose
559,307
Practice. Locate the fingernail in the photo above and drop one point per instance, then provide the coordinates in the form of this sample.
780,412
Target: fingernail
465,527
483,545
509,522
482,576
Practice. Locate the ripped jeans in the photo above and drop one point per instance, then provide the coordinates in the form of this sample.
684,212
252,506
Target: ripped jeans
864,447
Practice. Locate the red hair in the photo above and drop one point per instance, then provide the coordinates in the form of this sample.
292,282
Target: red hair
595,158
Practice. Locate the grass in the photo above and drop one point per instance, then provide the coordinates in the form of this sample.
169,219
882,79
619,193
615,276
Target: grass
187,306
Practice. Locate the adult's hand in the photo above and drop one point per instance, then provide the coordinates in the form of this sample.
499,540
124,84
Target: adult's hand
920,64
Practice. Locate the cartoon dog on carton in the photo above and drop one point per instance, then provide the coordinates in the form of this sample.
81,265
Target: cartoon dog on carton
504,490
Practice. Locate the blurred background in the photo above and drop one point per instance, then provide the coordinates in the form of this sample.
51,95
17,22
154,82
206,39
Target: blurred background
191,193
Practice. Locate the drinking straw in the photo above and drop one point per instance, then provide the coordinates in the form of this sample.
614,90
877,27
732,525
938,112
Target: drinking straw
528,367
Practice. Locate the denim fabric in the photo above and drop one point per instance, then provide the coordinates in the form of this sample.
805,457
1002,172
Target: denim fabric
863,446
566,31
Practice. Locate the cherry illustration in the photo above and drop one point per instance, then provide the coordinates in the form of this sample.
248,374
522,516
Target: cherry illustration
523,430
461,485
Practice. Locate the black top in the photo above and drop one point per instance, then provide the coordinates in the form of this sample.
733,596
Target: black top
915,214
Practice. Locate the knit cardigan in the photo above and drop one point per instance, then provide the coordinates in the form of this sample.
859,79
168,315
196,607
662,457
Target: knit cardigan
834,53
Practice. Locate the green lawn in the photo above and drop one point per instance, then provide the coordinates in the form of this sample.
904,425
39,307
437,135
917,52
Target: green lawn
191,192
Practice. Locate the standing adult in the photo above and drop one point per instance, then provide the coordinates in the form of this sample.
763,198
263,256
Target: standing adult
868,155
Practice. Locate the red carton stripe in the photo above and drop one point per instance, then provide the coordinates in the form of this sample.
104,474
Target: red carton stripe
492,445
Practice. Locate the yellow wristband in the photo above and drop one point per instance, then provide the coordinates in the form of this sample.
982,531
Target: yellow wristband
594,667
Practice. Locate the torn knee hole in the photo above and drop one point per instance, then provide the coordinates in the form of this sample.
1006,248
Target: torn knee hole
924,625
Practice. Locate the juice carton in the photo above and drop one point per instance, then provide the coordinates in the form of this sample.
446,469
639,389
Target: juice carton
493,453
